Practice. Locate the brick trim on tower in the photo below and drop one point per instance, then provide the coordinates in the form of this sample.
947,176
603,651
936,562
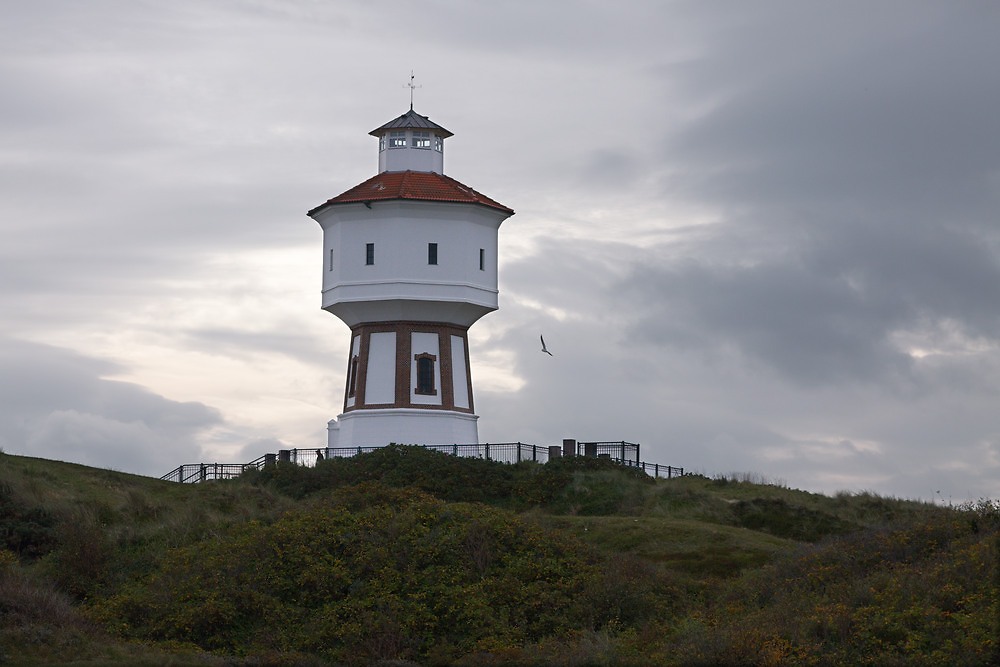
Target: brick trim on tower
404,331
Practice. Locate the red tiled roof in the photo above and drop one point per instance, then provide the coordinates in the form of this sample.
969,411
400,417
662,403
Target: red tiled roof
416,185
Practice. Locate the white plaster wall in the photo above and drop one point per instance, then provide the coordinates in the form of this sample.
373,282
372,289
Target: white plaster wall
459,372
406,426
380,380
401,231
424,343
355,351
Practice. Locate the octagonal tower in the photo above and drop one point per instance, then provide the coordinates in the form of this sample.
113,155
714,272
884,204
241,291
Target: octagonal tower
410,263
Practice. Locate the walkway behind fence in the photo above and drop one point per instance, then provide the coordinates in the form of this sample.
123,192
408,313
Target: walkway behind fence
626,453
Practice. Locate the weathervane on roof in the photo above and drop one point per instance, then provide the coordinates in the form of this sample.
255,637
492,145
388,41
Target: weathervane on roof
411,87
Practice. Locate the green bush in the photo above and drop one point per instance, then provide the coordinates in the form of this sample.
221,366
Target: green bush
778,517
910,594
373,573
27,531
575,485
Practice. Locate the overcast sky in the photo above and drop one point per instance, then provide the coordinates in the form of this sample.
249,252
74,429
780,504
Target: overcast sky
757,236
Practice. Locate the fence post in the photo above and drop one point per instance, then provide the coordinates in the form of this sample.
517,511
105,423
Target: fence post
569,447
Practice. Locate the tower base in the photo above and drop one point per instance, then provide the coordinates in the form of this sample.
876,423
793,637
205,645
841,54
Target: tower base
403,426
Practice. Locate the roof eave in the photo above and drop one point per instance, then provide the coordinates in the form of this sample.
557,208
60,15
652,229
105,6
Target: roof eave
368,202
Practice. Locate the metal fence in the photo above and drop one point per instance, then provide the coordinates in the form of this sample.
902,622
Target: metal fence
626,452
207,472
503,452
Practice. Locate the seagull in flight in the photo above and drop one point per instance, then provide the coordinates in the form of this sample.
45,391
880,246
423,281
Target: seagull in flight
545,349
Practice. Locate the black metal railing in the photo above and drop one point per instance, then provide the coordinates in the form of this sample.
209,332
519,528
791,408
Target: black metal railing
618,451
206,472
503,452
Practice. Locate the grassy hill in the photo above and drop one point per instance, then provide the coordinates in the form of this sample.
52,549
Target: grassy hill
409,554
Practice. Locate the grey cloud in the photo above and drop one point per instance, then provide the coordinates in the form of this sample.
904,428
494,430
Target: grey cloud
244,344
827,309
881,118
55,404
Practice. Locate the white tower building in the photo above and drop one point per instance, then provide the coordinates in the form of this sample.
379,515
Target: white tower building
410,263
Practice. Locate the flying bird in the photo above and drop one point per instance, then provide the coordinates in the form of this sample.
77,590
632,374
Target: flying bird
545,349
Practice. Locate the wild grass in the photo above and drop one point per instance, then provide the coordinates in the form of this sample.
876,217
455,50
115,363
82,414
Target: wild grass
447,560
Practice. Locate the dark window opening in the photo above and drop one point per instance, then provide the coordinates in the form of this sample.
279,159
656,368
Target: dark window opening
482,259
369,253
425,374
432,253
352,376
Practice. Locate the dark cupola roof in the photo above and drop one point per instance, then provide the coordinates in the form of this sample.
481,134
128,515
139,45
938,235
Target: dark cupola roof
411,120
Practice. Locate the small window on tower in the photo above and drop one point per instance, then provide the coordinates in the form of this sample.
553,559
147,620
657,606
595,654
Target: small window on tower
425,374
352,376
369,253
397,140
421,139
381,143
438,144
482,259
432,253
331,260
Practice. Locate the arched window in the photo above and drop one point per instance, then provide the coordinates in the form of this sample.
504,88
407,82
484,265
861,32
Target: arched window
425,374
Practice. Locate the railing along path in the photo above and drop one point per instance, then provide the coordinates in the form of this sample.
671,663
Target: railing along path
623,452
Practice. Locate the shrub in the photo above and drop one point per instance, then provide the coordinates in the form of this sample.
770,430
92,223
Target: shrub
27,531
777,517
370,573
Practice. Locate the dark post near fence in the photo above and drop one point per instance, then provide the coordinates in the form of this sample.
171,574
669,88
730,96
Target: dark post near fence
569,447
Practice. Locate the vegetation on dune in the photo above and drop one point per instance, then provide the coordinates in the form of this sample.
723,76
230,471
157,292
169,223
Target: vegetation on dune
373,573
406,553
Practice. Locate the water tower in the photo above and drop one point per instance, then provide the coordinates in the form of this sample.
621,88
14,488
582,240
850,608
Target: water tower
409,264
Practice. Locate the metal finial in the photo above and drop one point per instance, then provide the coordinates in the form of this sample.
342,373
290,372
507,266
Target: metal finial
412,87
